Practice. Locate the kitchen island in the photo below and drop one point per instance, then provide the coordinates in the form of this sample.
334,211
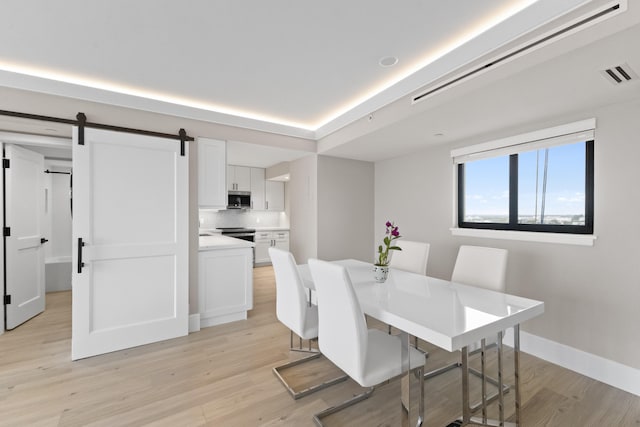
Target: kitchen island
225,279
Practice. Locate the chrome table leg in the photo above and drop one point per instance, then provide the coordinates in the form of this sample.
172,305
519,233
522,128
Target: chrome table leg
466,411
516,368
412,389
484,380
500,389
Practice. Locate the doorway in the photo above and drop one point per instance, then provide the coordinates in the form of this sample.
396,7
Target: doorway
36,216
130,241
58,209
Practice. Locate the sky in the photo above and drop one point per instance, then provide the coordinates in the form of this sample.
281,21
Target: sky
487,183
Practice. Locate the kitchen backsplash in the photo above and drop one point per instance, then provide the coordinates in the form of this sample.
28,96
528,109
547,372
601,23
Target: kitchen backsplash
242,218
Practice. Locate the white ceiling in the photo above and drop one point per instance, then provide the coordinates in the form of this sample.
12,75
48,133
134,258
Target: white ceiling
569,86
297,72
294,63
260,156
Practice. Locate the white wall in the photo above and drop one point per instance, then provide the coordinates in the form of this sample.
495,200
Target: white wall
60,239
303,205
331,205
345,209
591,294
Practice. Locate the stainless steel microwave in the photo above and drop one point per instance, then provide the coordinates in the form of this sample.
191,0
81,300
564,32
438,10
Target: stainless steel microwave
239,200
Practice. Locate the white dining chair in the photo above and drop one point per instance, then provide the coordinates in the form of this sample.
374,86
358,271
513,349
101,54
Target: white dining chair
296,313
482,267
413,257
368,356
485,268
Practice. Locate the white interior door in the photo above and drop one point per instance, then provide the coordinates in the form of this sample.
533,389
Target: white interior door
24,204
130,211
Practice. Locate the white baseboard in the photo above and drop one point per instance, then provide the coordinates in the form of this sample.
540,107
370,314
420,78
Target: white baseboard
206,321
194,322
604,370
198,321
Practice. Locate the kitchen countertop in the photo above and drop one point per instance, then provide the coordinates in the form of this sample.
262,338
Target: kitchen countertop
272,228
208,243
209,231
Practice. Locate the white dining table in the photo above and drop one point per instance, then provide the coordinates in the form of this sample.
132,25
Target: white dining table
449,315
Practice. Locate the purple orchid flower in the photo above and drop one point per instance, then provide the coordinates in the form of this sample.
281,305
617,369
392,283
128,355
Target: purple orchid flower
391,234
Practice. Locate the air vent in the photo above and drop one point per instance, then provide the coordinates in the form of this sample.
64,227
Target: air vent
619,74
492,63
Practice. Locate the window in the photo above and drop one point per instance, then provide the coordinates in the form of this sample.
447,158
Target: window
543,185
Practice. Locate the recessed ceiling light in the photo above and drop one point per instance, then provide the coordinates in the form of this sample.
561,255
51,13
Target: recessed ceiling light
388,61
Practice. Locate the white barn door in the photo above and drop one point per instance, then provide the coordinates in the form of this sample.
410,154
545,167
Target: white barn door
24,204
130,241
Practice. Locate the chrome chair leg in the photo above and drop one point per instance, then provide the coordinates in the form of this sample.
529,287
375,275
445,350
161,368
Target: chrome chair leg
315,354
302,393
317,418
299,347
442,370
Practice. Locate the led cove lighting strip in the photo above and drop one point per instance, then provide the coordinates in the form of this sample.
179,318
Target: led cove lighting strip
136,92
459,41
124,90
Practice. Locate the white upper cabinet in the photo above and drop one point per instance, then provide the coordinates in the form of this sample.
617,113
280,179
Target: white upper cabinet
238,178
265,195
212,162
274,196
257,189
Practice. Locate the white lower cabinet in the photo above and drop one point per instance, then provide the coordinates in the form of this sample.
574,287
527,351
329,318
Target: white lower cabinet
281,240
263,243
225,280
267,239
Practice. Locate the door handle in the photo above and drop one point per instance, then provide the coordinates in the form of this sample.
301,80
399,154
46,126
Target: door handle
80,263
43,241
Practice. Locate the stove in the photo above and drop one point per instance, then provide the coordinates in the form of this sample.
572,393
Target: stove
239,232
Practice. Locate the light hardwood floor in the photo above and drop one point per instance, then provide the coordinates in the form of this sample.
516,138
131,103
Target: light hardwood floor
221,376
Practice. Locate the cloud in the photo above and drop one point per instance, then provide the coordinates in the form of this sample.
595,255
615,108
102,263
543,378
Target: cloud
501,196
576,198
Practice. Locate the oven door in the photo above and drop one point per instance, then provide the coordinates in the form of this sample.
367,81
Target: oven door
249,237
